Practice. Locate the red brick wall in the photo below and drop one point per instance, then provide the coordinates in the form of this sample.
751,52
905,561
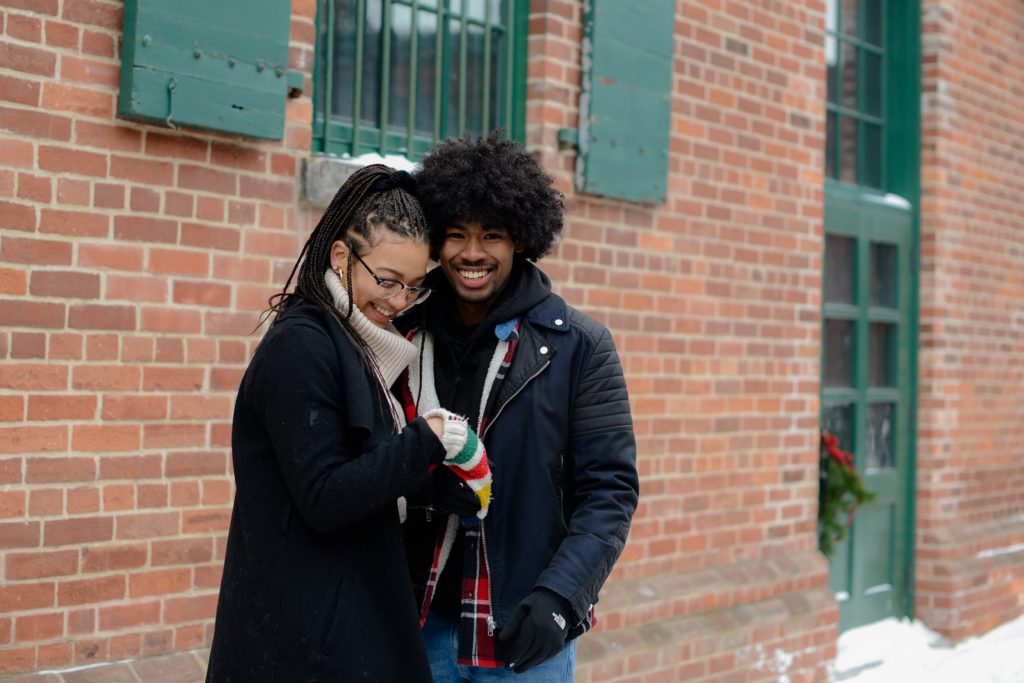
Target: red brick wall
714,299
970,527
133,260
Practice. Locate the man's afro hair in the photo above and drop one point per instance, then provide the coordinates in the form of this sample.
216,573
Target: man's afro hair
492,181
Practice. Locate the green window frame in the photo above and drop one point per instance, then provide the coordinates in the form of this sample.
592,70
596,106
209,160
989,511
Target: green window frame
397,76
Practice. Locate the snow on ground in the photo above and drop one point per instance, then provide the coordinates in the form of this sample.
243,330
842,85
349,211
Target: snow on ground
895,651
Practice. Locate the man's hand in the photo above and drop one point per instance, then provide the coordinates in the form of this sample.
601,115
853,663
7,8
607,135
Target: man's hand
537,630
448,493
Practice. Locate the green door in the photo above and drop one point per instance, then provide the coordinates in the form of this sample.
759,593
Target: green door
870,287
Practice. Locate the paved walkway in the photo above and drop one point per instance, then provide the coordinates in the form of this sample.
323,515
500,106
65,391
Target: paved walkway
180,667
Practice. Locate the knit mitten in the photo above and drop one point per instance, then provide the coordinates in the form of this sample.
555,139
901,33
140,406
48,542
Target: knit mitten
465,455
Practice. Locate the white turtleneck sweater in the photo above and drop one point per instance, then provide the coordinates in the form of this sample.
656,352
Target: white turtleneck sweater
391,350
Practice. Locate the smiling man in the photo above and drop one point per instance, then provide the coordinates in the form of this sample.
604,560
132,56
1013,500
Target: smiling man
542,384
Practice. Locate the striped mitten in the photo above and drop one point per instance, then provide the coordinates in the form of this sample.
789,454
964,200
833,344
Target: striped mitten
465,455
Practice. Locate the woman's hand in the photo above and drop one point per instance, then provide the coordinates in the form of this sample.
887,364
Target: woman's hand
436,424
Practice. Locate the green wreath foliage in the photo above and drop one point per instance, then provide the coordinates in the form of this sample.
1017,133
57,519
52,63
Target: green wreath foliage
840,492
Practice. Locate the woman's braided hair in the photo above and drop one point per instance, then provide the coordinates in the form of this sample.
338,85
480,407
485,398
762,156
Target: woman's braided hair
374,201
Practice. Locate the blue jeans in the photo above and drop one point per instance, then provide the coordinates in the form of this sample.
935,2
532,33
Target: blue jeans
442,638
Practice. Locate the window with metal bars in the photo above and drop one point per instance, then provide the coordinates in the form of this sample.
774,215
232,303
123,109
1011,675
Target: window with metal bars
396,76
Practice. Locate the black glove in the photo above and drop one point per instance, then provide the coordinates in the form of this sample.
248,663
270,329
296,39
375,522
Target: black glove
537,630
450,494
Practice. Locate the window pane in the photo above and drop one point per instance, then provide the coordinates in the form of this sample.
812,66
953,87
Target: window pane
832,61
837,420
474,78
454,48
426,71
872,75
838,353
848,149
883,275
871,152
848,83
476,9
371,62
498,69
344,67
882,355
830,15
840,263
850,20
831,170
880,435
872,29
400,86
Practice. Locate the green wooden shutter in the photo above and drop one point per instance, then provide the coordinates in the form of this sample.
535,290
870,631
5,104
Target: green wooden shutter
625,101
216,65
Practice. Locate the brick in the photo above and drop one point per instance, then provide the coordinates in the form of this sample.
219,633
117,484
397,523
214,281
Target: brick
105,438
58,469
65,283
104,136
177,146
263,189
101,317
230,324
152,495
60,35
207,179
13,281
145,200
77,531
139,407
173,435
35,188
116,558
12,408
210,209
91,591
145,171
131,467
160,582
74,223
12,504
172,379
78,100
35,124
108,196
210,237
98,43
178,610
201,407
196,464
18,153
201,294
26,28
178,204
40,565
62,407
94,13
34,314
28,345
19,90
73,191
179,262
25,597
84,499
10,470
145,229
101,347
89,71
64,160
33,439
46,502
128,616
183,551
106,378
148,525
34,251
27,59
198,521
110,256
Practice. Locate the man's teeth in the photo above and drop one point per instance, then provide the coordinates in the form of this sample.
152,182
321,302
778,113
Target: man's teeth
473,274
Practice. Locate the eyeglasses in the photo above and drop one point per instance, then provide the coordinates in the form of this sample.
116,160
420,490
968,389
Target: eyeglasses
414,294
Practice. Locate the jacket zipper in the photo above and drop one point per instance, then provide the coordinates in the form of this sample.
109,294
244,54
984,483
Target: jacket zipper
490,579
518,391
483,526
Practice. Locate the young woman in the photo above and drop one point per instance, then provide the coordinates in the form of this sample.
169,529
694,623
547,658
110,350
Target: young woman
316,585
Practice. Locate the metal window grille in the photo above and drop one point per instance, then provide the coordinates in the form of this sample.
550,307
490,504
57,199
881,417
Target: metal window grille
396,76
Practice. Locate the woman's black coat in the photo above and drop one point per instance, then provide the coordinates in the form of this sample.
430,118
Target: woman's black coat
316,585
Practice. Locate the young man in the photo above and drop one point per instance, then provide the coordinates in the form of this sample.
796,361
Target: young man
543,384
